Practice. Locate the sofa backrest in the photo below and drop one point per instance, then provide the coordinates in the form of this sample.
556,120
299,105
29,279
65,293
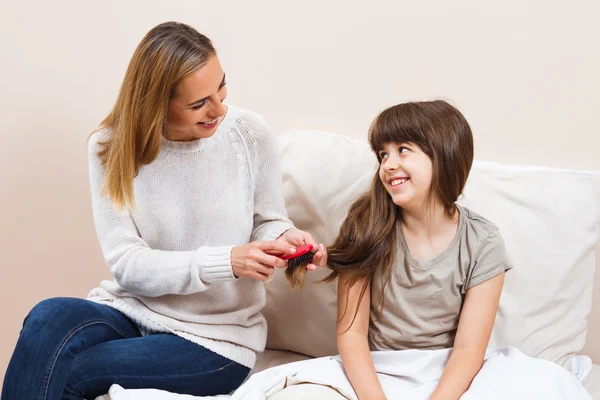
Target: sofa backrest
548,218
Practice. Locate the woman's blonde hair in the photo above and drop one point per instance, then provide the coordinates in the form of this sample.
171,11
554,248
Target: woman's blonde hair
167,54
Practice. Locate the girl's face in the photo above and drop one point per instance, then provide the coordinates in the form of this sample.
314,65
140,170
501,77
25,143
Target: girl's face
196,108
406,172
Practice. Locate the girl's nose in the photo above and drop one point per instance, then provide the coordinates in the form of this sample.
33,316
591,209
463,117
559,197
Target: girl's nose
391,164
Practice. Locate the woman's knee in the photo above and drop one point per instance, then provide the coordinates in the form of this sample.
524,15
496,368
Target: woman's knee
56,313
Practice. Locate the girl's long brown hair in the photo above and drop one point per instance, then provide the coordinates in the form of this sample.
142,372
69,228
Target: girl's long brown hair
367,240
167,54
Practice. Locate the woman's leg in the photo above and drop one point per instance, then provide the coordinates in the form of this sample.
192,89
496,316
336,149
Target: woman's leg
53,333
160,361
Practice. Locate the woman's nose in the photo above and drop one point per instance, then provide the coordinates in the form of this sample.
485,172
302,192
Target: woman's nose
219,108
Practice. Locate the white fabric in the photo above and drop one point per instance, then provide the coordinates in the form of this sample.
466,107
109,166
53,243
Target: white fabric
410,374
592,382
548,218
303,391
170,259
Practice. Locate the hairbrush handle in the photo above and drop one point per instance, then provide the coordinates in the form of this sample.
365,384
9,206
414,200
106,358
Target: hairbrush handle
300,251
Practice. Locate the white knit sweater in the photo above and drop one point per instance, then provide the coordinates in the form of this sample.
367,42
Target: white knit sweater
171,258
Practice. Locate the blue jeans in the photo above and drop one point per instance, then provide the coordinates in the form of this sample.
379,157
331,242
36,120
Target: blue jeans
75,349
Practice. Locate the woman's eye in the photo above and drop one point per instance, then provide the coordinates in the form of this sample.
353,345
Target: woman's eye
199,106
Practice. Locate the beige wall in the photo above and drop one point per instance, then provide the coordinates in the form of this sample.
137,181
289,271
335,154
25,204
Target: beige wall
524,74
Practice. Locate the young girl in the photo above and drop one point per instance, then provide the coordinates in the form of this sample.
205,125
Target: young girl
416,270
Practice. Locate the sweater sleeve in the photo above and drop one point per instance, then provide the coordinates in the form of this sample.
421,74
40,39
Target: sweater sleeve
270,215
134,265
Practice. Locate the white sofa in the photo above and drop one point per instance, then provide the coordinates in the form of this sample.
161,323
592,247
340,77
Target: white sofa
549,219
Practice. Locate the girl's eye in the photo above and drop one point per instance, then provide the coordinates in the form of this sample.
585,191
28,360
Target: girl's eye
402,149
383,155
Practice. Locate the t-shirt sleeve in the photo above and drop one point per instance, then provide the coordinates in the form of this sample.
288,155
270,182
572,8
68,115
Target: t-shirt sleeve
491,260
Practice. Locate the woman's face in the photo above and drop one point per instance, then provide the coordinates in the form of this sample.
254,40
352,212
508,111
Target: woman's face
196,107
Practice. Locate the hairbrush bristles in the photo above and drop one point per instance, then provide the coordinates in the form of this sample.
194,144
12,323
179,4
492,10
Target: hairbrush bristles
297,263
304,259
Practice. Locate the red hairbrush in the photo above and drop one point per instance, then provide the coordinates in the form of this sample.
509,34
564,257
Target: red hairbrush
297,263
302,256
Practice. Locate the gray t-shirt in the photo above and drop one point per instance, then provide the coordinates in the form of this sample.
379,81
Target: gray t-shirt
422,301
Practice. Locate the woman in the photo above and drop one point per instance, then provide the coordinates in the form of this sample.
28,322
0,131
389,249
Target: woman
189,211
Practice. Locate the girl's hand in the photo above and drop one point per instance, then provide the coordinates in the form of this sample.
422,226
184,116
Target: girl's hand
295,237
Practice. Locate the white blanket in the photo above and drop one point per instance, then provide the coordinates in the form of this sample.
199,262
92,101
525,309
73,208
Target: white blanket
410,375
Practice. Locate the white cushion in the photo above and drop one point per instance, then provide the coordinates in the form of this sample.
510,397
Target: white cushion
549,220
322,176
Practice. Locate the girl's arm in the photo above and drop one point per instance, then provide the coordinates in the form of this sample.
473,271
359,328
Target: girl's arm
472,338
352,339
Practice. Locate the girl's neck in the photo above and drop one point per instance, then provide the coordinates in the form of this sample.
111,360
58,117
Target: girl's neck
428,221
428,232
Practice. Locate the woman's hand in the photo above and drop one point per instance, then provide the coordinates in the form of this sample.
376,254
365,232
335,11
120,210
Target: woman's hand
295,237
256,260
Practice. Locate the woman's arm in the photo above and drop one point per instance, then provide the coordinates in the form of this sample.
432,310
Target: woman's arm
352,339
472,338
151,273
270,215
